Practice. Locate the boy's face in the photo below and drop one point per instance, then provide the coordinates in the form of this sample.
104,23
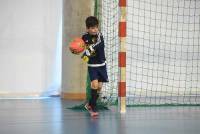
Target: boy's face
93,30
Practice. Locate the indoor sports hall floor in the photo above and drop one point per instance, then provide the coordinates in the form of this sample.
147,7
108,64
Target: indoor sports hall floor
51,116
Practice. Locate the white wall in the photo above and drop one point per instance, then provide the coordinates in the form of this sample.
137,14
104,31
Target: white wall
28,47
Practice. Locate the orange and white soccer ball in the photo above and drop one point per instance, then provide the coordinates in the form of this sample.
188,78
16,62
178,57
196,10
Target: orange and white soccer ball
77,46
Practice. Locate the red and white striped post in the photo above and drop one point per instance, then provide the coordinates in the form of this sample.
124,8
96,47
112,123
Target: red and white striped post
122,58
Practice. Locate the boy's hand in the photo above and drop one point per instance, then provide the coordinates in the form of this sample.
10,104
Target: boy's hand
85,58
88,53
74,52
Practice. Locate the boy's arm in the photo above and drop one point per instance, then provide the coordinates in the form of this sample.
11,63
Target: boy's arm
98,43
89,49
92,48
85,56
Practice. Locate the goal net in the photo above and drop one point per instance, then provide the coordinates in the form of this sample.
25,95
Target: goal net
162,51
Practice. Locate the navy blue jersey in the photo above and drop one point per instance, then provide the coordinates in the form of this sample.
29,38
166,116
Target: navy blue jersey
97,42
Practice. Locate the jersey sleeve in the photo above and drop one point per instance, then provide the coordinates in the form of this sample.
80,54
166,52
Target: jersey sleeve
100,41
84,37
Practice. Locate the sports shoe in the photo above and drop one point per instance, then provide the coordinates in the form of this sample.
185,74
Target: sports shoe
88,107
93,113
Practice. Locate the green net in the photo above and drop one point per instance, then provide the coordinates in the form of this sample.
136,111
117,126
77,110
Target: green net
163,60
108,15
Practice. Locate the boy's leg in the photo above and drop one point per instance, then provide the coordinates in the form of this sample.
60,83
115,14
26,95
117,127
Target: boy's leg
96,85
91,107
95,91
94,95
100,84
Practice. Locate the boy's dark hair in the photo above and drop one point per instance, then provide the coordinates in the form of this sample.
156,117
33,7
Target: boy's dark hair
91,21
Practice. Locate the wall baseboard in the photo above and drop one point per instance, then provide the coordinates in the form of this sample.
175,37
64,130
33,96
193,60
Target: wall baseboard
73,96
20,95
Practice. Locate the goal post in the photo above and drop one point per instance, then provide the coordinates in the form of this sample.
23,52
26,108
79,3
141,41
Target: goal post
122,57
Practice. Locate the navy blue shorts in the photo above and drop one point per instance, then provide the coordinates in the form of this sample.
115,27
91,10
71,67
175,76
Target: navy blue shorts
98,73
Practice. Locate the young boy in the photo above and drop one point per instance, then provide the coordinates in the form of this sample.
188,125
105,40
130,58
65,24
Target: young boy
97,61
